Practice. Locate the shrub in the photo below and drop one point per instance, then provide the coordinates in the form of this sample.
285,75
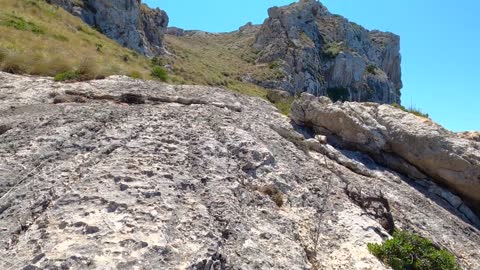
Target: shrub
160,73
338,94
67,76
372,69
332,49
410,251
135,75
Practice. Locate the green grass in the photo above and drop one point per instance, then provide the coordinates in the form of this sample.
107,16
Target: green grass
218,60
412,109
41,39
20,23
36,43
159,73
408,251
285,107
67,76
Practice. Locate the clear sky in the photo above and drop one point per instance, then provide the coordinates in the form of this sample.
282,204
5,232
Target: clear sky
440,44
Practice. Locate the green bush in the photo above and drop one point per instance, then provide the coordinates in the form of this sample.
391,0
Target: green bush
413,252
68,76
338,94
159,73
331,50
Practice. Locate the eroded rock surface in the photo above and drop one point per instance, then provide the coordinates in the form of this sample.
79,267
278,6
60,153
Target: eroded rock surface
400,140
325,54
144,175
129,22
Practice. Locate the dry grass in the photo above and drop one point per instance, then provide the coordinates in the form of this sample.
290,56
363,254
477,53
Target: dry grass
273,192
41,39
217,60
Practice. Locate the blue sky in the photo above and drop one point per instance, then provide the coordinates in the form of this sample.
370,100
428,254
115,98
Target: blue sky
440,44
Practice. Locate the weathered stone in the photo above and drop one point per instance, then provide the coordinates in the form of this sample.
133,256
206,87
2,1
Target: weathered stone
381,130
175,31
325,54
276,96
129,22
62,166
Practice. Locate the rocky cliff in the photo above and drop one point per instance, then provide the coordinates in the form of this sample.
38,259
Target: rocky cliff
325,54
414,145
129,22
129,174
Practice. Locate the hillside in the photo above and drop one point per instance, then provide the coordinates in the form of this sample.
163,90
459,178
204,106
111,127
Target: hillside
38,38
224,60
128,145
301,47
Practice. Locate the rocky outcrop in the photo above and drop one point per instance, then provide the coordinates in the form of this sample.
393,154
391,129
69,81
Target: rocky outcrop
470,135
276,96
400,140
129,22
325,54
129,174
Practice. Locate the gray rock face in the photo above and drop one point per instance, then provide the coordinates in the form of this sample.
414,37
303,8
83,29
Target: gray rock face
325,54
175,31
127,174
129,22
383,130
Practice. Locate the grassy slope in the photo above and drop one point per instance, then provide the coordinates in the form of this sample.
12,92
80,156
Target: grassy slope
37,38
41,39
217,60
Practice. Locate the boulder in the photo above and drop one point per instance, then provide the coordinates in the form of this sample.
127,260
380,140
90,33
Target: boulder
276,96
175,31
385,131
